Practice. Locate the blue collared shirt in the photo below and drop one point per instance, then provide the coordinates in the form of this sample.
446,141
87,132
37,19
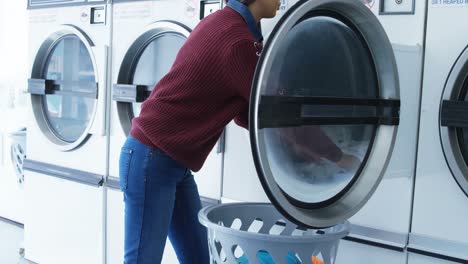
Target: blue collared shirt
248,17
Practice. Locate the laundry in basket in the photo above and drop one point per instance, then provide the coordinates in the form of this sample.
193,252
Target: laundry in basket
265,258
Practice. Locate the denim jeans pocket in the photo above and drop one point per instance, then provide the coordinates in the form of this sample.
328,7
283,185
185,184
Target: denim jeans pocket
124,167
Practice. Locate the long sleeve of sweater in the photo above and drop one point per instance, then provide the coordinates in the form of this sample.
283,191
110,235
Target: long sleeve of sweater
243,119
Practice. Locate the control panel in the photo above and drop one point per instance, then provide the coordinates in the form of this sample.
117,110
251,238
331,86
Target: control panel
208,7
98,15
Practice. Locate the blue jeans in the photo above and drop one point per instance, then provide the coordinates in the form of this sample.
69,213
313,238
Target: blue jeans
161,199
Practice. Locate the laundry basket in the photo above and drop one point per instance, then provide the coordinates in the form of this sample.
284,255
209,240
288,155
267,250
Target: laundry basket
256,233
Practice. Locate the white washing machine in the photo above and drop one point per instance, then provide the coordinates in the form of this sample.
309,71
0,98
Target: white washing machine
310,106
382,225
147,36
439,233
66,147
240,181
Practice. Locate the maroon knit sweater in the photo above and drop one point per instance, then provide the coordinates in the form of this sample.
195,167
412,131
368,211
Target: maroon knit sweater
207,87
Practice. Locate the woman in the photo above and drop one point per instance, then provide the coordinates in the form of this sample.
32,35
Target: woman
207,87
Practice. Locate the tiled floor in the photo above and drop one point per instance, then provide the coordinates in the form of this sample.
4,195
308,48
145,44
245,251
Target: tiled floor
11,243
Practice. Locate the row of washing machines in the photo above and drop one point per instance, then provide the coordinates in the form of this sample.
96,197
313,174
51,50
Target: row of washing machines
94,62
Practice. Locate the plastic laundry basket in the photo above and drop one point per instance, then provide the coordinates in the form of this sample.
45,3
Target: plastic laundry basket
256,233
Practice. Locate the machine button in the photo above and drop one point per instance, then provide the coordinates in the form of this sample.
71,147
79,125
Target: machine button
98,15
397,7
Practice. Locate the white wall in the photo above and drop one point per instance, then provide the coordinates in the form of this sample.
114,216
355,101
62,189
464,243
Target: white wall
13,52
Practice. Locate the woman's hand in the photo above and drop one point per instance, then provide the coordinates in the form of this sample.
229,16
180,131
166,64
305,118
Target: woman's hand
349,162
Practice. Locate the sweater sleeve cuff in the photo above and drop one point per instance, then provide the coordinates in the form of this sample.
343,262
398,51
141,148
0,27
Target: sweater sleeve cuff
242,120
335,154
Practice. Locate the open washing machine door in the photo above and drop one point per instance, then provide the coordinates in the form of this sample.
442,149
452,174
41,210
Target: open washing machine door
324,111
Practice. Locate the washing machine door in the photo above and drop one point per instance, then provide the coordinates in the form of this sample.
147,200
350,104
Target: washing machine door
148,59
64,88
454,121
324,111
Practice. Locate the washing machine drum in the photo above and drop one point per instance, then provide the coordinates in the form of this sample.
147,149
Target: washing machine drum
321,102
320,57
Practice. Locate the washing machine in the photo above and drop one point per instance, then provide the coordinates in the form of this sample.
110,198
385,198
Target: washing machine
66,147
382,226
380,229
147,36
322,130
240,181
439,233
